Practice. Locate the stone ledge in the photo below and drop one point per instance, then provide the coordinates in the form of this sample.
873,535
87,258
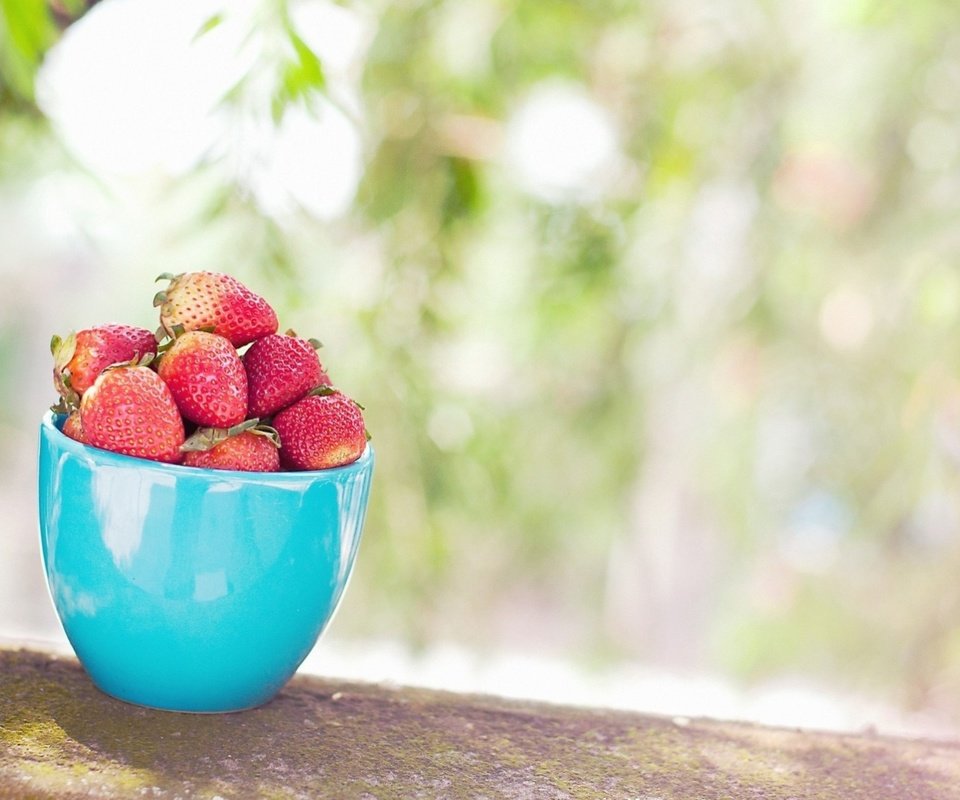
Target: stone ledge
61,738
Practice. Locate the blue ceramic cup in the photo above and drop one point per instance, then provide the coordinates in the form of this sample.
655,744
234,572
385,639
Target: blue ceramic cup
193,589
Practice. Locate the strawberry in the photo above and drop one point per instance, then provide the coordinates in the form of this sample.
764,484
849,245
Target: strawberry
215,301
206,378
251,449
73,427
82,356
320,431
130,410
281,370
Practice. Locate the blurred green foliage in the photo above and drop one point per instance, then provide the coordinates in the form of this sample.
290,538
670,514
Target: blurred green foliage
26,31
706,415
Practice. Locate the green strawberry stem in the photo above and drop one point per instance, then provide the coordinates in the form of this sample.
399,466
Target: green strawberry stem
267,432
161,297
316,344
63,351
137,361
166,339
64,406
323,390
207,438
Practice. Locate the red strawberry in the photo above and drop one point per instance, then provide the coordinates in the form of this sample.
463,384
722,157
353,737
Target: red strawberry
321,431
206,378
130,410
280,370
82,356
216,301
250,450
73,428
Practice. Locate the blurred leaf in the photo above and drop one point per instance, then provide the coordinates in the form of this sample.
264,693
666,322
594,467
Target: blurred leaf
309,72
463,194
26,31
300,77
208,26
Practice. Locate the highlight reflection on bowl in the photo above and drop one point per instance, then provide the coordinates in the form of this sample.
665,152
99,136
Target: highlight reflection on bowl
193,589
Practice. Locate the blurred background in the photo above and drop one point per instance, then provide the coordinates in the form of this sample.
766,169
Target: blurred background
653,309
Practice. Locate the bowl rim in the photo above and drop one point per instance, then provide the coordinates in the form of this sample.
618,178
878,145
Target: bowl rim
100,456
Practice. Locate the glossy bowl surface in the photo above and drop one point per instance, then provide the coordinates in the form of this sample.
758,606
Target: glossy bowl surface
192,589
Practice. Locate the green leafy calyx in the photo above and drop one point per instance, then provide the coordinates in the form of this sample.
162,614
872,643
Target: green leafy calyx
207,438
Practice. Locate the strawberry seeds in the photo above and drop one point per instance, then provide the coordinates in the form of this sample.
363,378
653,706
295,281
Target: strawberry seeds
129,391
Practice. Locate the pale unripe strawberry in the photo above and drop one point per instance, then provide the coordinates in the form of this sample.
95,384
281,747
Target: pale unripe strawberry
214,301
281,370
207,379
130,410
321,431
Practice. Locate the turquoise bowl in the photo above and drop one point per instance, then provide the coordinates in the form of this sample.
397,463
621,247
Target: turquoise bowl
193,589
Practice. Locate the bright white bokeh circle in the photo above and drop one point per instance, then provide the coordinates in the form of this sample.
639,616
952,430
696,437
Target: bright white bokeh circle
561,144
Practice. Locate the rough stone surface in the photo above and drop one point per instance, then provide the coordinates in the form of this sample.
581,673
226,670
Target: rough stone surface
61,738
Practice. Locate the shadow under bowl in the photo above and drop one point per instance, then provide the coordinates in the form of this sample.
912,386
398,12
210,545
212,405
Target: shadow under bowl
193,589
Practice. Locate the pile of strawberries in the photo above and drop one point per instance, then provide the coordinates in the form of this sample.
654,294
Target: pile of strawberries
186,395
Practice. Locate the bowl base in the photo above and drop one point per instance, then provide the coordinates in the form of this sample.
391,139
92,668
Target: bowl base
174,710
